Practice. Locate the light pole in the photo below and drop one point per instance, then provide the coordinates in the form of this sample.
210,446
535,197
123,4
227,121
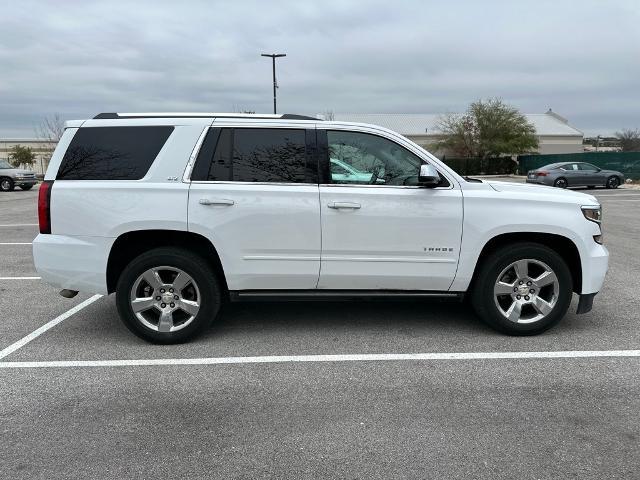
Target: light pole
275,84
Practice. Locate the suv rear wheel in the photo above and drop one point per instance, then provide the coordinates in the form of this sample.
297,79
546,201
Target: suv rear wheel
168,295
522,289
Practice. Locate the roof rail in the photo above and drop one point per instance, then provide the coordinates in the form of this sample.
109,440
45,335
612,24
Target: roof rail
285,116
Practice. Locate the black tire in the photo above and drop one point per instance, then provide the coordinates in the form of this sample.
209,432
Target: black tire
196,267
591,187
612,182
561,182
484,301
26,187
6,185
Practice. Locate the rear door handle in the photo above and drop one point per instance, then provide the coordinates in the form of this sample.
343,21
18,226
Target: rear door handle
346,205
216,201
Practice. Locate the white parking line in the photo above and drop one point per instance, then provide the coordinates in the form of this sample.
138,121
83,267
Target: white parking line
16,243
20,278
20,225
616,195
36,333
377,357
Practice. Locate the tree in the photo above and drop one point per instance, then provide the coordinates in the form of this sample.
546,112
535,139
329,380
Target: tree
629,140
50,129
20,155
328,115
487,129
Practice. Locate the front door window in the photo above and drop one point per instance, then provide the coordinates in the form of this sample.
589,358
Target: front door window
366,159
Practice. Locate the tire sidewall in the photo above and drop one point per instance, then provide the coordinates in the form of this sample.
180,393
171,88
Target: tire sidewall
557,185
193,265
6,189
483,295
608,184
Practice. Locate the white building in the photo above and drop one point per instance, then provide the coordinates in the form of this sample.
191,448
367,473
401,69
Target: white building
41,148
555,135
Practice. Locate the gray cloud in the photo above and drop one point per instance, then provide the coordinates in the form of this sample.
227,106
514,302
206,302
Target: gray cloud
79,58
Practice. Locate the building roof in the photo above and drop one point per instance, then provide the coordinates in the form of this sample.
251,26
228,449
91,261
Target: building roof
414,124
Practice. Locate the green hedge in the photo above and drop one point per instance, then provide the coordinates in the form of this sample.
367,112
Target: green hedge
480,166
627,163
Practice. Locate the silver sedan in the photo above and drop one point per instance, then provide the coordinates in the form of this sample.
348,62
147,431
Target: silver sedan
575,174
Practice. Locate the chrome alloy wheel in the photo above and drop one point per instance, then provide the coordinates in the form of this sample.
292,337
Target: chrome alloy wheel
526,291
165,299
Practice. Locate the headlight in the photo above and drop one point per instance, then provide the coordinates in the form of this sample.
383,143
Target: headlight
593,213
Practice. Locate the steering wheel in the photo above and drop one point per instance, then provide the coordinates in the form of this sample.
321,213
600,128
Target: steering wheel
374,175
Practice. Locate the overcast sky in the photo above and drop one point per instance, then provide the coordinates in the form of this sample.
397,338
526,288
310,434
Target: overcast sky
78,58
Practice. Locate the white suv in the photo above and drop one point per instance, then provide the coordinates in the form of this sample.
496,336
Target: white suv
177,213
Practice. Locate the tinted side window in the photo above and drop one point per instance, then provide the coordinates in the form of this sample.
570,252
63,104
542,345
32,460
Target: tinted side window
112,153
214,159
256,155
269,155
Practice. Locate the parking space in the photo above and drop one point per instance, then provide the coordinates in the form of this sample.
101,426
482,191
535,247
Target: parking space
355,418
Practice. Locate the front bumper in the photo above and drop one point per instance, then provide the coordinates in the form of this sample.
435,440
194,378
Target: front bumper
594,269
25,182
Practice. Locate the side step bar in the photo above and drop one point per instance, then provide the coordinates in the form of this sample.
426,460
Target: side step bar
337,295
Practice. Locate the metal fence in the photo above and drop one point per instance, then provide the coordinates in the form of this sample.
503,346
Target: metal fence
482,166
627,163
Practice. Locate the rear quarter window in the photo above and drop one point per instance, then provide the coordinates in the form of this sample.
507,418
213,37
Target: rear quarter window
112,153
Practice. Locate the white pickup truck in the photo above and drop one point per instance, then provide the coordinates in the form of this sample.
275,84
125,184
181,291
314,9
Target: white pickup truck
177,213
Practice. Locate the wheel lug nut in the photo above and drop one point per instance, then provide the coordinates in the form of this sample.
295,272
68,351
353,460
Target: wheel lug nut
158,298
171,290
520,282
515,289
172,304
518,297
529,283
176,297
163,305
162,290
526,297
532,291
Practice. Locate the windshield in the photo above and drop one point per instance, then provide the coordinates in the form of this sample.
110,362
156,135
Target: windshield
5,164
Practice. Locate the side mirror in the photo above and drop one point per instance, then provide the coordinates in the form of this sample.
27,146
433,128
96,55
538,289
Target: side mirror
428,176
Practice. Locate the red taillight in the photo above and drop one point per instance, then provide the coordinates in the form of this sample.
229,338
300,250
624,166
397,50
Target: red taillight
542,173
44,206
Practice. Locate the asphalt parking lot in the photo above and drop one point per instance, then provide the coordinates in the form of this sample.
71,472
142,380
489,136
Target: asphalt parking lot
90,400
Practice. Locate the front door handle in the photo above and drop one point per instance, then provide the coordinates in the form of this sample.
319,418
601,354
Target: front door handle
346,205
216,201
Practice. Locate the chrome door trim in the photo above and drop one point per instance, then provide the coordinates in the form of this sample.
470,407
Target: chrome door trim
225,182
450,187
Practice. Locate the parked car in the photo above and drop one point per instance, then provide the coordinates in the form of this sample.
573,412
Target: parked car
11,177
176,214
575,174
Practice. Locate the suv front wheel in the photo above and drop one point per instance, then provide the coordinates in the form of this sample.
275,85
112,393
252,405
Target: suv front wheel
523,289
168,295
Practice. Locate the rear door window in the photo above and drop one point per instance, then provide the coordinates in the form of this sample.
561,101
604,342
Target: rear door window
264,155
587,167
112,153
